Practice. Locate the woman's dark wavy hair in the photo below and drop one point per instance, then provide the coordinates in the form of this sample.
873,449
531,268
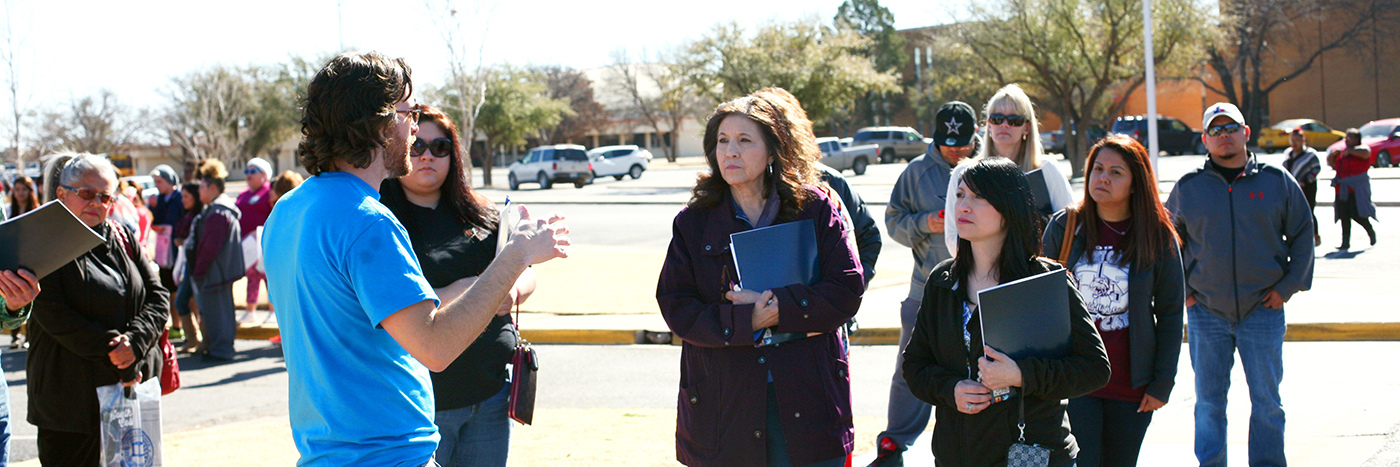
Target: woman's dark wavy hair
792,166
1001,182
349,110
30,202
471,209
193,189
1151,233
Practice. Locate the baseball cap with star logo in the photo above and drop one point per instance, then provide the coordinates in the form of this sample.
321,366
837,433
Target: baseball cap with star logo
954,125
1222,108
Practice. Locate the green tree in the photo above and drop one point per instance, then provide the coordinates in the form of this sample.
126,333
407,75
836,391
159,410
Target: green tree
588,115
1073,56
235,113
1246,56
886,47
948,75
820,65
517,105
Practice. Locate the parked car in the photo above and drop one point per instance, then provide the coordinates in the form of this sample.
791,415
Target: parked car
547,165
899,142
145,183
1054,141
855,158
1317,135
619,161
1173,136
1383,137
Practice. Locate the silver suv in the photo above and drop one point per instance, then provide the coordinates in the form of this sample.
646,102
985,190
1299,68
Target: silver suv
547,165
896,142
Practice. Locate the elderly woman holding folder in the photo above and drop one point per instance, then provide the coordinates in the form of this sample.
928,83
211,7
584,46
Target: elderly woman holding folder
741,402
946,362
97,320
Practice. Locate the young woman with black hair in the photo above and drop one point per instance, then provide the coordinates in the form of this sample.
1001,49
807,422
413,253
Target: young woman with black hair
946,363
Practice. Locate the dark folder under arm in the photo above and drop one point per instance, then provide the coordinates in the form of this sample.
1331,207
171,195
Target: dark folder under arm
44,240
1040,188
776,256
1028,317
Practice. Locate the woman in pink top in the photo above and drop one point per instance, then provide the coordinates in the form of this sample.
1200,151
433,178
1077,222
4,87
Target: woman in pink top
256,204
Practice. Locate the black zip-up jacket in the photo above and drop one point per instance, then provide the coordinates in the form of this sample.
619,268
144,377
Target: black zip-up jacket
81,307
1241,238
1155,310
936,360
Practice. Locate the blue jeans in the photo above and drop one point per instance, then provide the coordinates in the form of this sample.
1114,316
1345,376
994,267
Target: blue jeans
183,294
4,421
1259,340
477,435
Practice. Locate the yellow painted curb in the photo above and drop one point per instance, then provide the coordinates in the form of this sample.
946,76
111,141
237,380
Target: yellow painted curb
1299,332
1343,332
579,336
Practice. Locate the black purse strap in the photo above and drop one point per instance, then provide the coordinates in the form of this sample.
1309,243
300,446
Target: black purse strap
1021,420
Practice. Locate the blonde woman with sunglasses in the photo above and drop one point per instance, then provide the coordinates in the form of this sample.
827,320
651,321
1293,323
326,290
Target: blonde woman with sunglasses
1013,133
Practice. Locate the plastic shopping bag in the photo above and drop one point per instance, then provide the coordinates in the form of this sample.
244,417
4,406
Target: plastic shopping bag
131,424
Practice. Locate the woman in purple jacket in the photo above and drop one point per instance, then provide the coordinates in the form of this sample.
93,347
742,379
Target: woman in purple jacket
740,403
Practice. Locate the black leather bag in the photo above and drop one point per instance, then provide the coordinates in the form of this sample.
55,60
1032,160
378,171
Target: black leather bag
524,366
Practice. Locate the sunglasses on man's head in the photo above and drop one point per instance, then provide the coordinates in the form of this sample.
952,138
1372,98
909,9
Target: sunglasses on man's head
1013,120
441,147
1228,128
88,194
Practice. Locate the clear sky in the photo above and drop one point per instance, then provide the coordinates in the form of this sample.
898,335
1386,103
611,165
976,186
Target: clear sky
75,48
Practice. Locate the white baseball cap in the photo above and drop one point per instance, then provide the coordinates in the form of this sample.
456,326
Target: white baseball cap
1221,108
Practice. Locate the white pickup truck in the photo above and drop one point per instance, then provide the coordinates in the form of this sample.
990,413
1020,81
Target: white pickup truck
841,158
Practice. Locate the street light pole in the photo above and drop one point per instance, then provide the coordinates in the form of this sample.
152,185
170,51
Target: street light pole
1151,82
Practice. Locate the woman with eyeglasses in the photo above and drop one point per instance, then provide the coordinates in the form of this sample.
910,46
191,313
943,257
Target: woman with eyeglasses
1126,259
1014,133
97,320
946,363
454,231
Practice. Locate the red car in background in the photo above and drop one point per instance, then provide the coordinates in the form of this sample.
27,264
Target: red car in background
1383,137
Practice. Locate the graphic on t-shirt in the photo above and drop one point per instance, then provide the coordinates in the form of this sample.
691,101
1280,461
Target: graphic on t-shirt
1104,285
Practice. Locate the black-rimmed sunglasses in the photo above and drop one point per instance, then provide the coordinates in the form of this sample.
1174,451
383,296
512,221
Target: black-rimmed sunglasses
1230,128
441,147
1013,120
89,194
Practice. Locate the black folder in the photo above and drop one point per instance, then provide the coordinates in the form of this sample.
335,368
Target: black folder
776,256
44,240
1040,188
1028,317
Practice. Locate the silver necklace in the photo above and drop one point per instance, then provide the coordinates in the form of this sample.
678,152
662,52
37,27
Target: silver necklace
1110,227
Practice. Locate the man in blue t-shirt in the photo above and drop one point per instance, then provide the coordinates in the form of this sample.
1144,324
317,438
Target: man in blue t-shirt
360,325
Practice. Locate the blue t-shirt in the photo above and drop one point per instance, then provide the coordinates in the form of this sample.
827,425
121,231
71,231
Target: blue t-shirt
338,263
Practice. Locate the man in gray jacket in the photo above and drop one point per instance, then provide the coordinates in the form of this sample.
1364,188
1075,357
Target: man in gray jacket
914,218
1246,237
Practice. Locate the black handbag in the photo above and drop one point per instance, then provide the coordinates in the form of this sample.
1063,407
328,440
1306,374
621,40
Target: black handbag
1026,455
524,366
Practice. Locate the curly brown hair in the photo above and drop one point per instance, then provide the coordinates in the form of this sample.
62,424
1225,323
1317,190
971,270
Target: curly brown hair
349,110
794,164
212,171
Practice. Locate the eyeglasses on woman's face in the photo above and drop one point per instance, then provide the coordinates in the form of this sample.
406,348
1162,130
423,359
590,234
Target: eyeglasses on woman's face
89,194
1013,120
441,147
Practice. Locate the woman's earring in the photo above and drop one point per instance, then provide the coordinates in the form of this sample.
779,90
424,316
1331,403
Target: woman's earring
770,169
